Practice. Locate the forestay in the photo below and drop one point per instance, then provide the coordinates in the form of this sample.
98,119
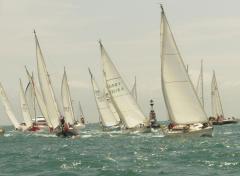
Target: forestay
180,97
46,87
130,112
217,109
8,108
67,101
24,107
106,115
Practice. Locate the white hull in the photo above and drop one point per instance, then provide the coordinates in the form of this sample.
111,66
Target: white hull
137,130
78,126
199,132
111,128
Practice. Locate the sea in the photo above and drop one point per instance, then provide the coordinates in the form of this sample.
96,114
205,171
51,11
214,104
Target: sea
98,153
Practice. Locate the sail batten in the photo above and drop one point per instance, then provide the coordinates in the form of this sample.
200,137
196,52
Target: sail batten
180,97
129,111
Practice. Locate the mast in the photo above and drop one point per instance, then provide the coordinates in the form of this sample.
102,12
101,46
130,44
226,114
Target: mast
180,97
200,88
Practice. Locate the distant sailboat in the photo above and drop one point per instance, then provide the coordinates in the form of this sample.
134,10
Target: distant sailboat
9,110
217,110
106,117
24,107
40,100
125,104
185,111
82,116
67,104
199,87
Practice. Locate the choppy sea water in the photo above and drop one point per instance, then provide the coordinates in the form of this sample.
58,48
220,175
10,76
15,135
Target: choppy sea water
98,153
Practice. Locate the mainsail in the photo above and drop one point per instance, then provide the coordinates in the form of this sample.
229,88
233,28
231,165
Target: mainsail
67,101
199,87
46,87
39,98
106,115
217,109
24,107
180,97
130,112
8,108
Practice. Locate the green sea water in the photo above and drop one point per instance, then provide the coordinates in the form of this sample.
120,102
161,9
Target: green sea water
98,153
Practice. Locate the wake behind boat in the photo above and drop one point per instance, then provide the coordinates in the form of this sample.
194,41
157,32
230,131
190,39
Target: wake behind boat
184,108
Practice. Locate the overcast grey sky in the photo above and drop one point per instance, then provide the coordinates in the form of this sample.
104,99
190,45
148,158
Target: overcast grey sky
68,31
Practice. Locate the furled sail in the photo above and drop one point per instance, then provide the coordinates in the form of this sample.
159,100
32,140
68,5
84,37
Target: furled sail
106,115
130,112
67,101
24,107
8,108
40,100
217,109
46,87
199,87
180,97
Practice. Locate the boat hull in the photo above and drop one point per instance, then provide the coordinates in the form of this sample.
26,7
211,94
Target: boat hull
138,130
224,122
111,128
204,132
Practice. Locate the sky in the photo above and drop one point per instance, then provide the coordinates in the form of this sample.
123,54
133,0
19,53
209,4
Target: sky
69,30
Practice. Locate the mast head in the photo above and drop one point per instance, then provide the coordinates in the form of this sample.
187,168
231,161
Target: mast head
161,6
100,43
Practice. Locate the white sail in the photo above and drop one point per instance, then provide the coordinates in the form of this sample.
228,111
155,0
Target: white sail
67,101
106,115
24,107
111,106
199,87
134,89
130,112
8,108
217,109
40,100
180,97
46,87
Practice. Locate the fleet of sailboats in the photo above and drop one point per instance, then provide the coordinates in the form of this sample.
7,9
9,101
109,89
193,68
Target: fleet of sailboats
117,104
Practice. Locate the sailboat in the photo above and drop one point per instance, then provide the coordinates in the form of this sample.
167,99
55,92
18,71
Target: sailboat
9,111
199,87
218,117
129,111
26,111
185,111
33,89
67,104
60,127
82,116
107,118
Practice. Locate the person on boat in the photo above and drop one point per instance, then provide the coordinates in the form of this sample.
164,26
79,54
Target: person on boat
64,125
82,120
170,126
